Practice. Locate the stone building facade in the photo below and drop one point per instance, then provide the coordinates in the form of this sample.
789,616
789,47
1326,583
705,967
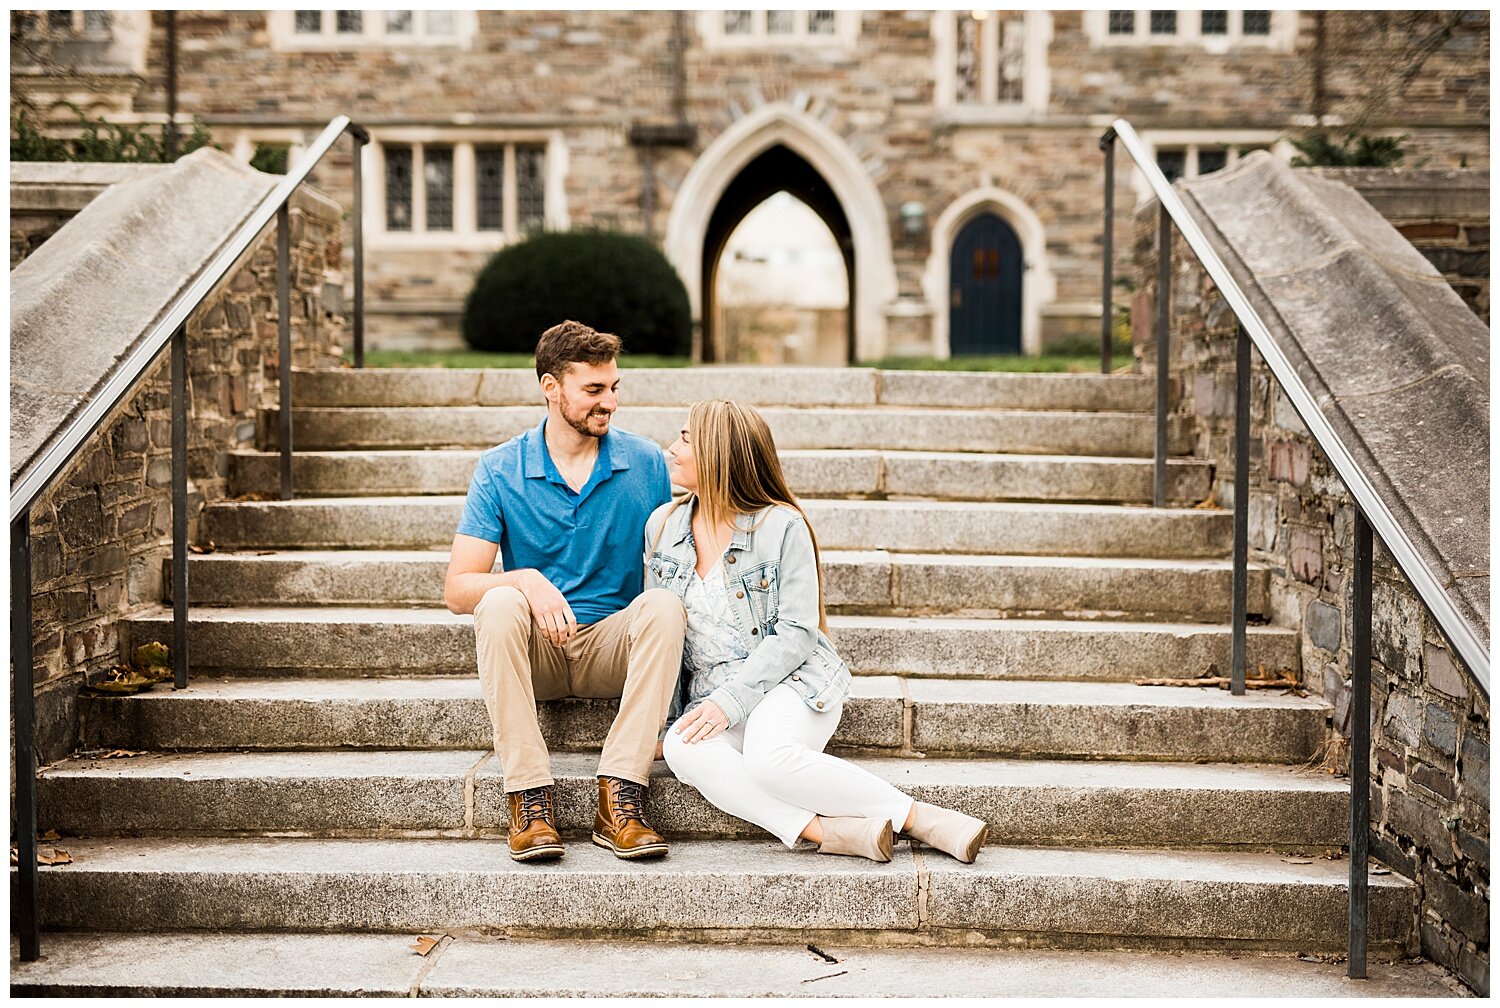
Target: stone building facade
913,127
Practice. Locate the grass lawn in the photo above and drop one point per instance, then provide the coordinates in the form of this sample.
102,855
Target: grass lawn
476,359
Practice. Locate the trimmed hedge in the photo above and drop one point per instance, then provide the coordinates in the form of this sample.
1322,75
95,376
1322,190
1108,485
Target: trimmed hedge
616,283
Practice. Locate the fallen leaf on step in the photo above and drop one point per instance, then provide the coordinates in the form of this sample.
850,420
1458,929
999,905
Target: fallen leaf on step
51,834
425,944
194,548
56,856
1377,870
255,495
1207,504
1297,860
123,753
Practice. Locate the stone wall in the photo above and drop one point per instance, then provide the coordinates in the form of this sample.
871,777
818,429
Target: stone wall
1445,214
102,532
44,197
1429,812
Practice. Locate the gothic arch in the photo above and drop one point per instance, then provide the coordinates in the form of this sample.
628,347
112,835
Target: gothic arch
874,281
1038,287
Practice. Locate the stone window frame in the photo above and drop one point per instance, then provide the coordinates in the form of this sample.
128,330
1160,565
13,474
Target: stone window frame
845,34
463,143
282,26
1192,141
1282,37
1036,74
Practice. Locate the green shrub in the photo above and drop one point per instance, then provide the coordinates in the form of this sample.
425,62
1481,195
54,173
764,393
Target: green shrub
614,282
99,140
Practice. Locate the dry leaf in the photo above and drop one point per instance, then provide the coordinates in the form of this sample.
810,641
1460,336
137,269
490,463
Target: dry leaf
119,679
15,856
51,834
1297,860
1377,870
123,753
425,945
56,856
1207,504
255,495
194,548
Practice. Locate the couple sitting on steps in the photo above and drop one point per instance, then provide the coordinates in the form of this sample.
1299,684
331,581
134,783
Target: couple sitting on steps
727,643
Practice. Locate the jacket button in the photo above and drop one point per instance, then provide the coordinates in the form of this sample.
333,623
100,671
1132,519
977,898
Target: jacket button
729,559
765,584
739,594
820,705
754,631
796,677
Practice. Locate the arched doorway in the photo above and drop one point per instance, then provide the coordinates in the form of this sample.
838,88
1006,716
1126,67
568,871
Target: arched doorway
778,169
984,288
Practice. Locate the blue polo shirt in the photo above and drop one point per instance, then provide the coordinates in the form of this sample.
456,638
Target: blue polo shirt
587,543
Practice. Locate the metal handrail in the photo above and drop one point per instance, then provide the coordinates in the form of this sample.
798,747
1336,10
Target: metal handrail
1371,514
44,470
172,328
1458,631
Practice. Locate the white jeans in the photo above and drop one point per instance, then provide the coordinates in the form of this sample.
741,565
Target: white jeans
771,770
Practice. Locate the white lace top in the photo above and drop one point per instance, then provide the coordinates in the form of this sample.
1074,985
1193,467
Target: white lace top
711,648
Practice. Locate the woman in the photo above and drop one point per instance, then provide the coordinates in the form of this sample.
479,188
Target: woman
762,687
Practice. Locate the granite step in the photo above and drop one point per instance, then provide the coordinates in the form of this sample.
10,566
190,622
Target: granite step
722,890
335,640
1033,529
911,717
914,428
869,582
461,793
780,386
811,473
471,964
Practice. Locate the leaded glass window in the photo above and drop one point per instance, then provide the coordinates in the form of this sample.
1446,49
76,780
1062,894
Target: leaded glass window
309,22
1163,22
737,22
398,22
398,190
349,22
529,187
781,22
489,168
1257,22
441,22
437,175
1172,163
1122,22
1215,22
821,22
1211,159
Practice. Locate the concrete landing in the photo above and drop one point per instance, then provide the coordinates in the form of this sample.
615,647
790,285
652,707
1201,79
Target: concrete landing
472,965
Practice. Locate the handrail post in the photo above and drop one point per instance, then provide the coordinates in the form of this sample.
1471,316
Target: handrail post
1107,306
23,708
1240,575
1163,350
1359,748
179,510
360,139
284,337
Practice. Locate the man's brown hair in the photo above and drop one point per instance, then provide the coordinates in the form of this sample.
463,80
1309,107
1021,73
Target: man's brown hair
570,343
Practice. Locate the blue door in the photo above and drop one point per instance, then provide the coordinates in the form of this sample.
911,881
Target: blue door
984,295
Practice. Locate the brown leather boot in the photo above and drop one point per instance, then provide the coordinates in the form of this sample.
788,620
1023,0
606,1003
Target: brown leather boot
532,835
621,823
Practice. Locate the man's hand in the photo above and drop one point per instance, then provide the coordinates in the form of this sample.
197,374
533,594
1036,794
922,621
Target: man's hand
702,722
554,618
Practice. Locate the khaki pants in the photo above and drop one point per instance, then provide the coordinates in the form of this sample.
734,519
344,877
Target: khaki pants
634,654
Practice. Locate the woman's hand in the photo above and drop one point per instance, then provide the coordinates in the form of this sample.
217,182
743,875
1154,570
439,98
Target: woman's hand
702,722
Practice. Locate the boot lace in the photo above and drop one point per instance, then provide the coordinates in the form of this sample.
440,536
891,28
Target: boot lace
536,803
630,801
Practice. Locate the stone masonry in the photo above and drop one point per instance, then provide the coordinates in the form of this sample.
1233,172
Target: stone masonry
101,534
1429,812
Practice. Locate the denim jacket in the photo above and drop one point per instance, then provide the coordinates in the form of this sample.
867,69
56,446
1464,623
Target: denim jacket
771,577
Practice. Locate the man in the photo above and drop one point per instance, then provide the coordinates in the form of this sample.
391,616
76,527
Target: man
566,505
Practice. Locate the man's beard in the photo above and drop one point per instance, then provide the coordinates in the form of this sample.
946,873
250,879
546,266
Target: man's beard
581,422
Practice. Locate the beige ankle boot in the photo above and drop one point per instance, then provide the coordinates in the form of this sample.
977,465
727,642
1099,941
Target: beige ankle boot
870,838
950,832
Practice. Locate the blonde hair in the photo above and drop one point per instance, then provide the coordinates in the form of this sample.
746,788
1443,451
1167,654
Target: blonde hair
734,458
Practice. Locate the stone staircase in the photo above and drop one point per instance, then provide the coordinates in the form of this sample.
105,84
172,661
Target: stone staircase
996,581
